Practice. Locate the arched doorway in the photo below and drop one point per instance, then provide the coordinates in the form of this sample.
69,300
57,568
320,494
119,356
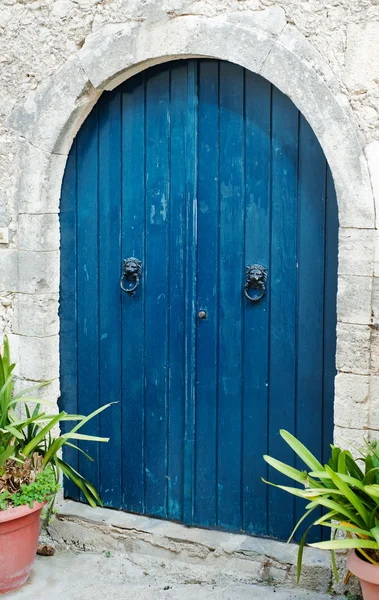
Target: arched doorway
198,168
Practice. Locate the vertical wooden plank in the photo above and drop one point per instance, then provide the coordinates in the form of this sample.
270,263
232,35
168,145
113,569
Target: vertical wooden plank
257,250
133,314
207,285
311,224
283,300
67,309
177,224
88,288
110,295
330,312
230,295
190,296
156,290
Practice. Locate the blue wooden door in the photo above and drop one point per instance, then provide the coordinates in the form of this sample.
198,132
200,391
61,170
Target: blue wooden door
197,169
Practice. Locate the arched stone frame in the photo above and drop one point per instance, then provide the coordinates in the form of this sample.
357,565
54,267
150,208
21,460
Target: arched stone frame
259,41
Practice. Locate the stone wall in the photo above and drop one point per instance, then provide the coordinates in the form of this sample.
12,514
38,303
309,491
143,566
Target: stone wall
324,54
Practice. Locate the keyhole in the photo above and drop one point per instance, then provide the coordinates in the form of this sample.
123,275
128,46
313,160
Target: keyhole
202,314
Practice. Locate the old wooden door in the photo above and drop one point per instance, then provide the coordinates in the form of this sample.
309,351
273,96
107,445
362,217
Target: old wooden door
197,169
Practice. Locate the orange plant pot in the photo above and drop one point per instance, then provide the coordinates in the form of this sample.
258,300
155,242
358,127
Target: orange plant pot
19,531
367,574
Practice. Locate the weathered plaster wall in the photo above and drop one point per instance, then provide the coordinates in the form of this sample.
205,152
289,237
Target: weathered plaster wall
38,36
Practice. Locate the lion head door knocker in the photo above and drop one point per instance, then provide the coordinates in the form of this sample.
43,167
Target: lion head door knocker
131,271
256,279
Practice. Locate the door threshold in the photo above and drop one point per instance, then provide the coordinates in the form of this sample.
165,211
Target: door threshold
242,557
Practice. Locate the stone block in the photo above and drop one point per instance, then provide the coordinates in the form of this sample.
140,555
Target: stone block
374,403
29,272
36,314
351,407
361,68
356,251
372,156
39,181
39,358
247,558
350,439
6,311
51,115
38,272
353,348
38,232
295,42
376,253
118,51
354,299
375,301
350,388
375,351
272,19
8,270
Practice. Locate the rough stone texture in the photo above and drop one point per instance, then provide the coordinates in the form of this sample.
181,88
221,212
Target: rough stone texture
241,557
356,252
375,352
120,47
372,156
39,36
376,253
35,314
361,77
84,576
374,406
37,357
38,272
345,437
38,232
354,299
8,270
351,407
353,350
6,310
40,185
71,87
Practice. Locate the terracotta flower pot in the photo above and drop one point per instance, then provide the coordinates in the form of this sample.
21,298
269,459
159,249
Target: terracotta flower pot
19,531
367,574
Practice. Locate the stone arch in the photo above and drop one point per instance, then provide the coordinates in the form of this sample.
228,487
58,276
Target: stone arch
259,41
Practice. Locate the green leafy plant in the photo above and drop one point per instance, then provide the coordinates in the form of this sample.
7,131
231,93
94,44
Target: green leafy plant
43,488
347,489
28,446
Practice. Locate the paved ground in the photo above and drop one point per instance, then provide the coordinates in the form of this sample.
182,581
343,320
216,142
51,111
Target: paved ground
85,576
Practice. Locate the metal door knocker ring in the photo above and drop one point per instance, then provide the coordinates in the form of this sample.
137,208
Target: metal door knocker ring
131,271
256,278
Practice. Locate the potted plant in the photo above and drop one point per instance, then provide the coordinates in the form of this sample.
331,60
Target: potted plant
30,472
348,492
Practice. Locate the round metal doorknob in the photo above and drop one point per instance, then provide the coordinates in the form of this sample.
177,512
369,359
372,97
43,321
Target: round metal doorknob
202,314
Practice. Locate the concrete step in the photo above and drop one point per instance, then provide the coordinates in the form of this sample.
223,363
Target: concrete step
116,576
224,557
